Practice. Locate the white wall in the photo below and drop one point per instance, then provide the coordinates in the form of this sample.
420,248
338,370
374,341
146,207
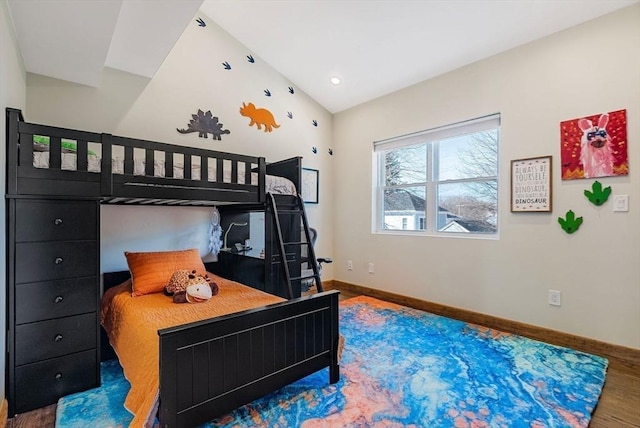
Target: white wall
589,69
12,94
586,70
191,78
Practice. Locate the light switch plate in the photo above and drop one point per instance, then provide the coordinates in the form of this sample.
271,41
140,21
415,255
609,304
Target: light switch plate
621,203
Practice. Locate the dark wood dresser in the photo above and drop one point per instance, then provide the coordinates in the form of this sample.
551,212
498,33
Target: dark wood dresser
53,271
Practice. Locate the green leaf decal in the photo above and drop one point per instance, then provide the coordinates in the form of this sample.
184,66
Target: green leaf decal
570,223
66,145
598,195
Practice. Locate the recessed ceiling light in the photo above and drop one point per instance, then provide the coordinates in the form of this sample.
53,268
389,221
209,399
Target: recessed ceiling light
335,80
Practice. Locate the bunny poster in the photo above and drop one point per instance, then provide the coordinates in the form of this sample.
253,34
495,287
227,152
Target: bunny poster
594,146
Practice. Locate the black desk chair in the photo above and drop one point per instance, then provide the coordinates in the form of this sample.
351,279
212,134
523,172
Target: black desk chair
307,283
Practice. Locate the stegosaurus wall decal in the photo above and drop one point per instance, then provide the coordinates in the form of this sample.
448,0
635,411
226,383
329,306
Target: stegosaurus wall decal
205,123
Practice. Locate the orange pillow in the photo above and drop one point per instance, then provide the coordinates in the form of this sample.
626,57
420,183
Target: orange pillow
151,272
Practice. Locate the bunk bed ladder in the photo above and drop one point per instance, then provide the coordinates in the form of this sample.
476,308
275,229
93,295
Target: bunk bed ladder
298,208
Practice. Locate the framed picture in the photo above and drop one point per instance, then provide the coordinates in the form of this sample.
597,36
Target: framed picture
531,185
310,185
594,146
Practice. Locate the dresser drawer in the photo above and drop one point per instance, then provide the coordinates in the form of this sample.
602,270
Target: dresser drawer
48,339
56,220
39,301
42,261
40,384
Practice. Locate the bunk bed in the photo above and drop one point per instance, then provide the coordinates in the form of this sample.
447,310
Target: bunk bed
56,179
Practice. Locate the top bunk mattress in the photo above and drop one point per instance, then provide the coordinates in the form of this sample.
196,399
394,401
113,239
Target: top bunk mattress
273,184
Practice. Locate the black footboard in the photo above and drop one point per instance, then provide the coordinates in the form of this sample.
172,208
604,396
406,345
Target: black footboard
211,367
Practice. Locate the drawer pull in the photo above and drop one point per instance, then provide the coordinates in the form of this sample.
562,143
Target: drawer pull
58,299
58,260
57,221
58,376
58,338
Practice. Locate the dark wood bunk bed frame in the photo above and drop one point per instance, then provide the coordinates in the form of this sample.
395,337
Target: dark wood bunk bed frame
246,354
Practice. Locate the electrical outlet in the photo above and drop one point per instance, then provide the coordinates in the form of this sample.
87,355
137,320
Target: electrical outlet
350,264
555,297
371,268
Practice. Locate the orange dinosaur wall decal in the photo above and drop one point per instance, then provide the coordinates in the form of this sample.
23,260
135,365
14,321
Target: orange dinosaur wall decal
259,117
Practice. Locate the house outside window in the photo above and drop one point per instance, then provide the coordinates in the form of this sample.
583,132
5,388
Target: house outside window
442,181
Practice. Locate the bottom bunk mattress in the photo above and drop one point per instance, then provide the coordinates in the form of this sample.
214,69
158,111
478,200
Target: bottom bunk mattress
132,324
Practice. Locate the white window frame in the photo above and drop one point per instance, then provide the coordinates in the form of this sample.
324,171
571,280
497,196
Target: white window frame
430,136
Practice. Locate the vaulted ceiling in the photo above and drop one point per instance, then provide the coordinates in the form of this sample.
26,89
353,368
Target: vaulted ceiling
374,46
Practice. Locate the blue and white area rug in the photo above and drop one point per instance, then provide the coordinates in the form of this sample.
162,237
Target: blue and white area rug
403,367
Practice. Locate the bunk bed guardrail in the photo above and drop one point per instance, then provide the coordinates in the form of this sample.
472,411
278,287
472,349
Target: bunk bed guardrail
233,178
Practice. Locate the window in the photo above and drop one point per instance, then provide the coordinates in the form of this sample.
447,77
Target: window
440,181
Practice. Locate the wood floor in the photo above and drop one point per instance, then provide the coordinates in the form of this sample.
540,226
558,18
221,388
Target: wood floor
619,404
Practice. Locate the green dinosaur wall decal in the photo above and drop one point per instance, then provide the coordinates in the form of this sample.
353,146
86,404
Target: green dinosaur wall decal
598,196
570,224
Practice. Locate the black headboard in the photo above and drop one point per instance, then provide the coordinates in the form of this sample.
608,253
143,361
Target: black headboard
289,168
111,279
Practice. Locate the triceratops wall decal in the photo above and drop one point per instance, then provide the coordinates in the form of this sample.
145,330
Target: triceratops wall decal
259,117
205,123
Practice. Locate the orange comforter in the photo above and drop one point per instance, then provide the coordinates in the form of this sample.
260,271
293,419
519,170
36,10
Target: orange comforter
132,324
